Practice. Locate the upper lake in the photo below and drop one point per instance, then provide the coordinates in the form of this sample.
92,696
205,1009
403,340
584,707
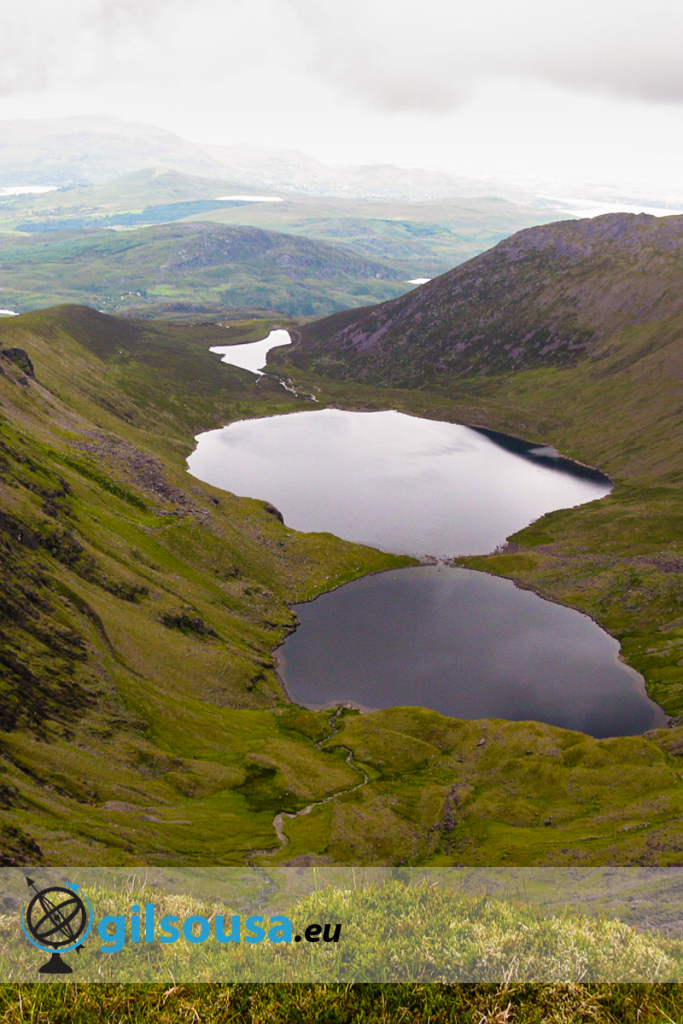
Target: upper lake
396,482
254,354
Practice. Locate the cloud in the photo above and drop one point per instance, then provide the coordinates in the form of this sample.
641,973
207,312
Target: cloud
431,54
90,44
390,55
76,42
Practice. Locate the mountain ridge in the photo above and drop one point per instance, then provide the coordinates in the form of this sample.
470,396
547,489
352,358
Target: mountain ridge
86,148
543,297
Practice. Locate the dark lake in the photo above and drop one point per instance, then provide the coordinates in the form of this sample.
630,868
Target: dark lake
466,644
396,482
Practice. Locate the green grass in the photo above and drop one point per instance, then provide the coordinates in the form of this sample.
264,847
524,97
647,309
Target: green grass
418,239
108,545
391,932
343,1004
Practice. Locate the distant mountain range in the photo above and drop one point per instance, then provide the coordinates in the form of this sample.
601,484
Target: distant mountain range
297,172
92,150
85,150
543,297
356,251
417,239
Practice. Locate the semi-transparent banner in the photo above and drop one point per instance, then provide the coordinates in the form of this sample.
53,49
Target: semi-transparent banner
329,924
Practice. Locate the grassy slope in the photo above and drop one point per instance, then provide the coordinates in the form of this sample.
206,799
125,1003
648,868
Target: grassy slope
140,607
192,723
542,298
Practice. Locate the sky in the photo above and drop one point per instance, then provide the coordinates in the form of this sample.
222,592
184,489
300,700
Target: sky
541,91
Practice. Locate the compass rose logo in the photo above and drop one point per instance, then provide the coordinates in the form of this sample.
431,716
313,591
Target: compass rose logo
56,919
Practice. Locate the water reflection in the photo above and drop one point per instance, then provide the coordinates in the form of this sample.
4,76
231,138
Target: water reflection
395,482
468,645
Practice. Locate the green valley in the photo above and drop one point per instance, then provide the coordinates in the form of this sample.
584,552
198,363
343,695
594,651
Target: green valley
143,721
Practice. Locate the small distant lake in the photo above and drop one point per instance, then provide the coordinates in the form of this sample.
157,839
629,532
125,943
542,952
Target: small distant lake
396,482
468,645
252,356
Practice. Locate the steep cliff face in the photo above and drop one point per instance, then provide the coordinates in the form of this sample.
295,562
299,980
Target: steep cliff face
545,296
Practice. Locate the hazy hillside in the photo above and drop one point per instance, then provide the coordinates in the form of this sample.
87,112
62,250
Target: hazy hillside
92,149
62,151
298,172
132,193
69,150
207,269
420,239
543,297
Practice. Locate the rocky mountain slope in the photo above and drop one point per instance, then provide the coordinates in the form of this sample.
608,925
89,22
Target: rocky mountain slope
546,296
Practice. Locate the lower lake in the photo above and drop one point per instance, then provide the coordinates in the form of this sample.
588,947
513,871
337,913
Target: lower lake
466,644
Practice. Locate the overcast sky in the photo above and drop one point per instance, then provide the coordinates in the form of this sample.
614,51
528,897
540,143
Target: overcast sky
590,90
